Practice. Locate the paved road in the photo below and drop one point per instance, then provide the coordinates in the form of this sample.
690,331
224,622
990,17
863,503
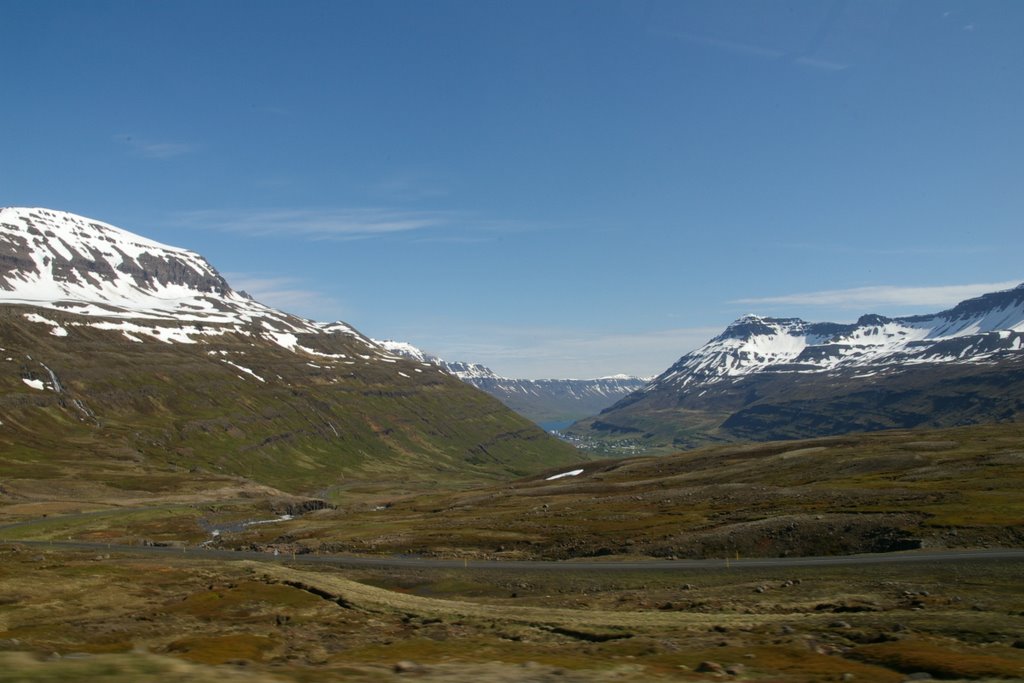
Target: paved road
942,556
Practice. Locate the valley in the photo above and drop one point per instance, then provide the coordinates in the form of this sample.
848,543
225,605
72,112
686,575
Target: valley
116,616
870,493
490,341
459,586
559,402
196,486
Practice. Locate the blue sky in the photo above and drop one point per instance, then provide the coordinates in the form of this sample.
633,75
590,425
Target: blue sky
555,188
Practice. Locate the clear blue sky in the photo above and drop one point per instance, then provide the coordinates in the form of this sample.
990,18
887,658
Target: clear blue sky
552,188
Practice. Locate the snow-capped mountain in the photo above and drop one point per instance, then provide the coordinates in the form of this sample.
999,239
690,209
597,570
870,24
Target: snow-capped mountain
124,344
61,261
467,372
541,400
785,377
974,331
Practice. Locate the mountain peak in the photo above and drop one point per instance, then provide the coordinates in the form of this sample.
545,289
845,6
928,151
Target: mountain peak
771,378
59,259
749,326
872,319
755,344
62,261
72,227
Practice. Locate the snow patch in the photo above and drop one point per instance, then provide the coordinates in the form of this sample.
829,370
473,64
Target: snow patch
57,331
243,369
572,473
282,518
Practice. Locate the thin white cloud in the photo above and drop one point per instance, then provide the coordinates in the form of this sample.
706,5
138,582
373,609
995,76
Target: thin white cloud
156,150
355,223
916,250
866,297
545,353
316,223
406,188
285,294
756,51
728,45
822,64
455,239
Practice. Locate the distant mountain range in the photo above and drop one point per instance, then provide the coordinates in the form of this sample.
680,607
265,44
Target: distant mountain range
545,401
776,378
120,349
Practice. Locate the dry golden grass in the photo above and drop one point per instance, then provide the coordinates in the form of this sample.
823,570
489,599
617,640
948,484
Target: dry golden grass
944,659
19,667
594,623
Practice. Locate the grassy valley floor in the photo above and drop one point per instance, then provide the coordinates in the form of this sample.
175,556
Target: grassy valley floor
99,616
840,495
186,613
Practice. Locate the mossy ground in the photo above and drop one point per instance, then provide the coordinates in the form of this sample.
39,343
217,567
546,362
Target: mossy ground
135,417
831,496
86,616
105,616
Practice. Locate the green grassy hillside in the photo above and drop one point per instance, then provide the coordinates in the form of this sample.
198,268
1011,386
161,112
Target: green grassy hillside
839,495
131,415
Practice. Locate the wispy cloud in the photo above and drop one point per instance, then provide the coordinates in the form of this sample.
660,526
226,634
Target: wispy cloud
883,295
284,293
152,149
539,353
406,188
914,250
757,51
456,239
447,226
736,47
821,64
317,223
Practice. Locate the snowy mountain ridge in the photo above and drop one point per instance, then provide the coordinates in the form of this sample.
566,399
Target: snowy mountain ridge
464,371
973,331
539,399
467,371
65,262
785,378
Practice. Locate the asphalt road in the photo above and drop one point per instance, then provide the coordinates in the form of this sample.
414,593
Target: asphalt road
940,556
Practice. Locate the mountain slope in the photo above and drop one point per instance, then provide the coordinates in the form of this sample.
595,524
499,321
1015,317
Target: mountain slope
541,400
772,378
119,353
